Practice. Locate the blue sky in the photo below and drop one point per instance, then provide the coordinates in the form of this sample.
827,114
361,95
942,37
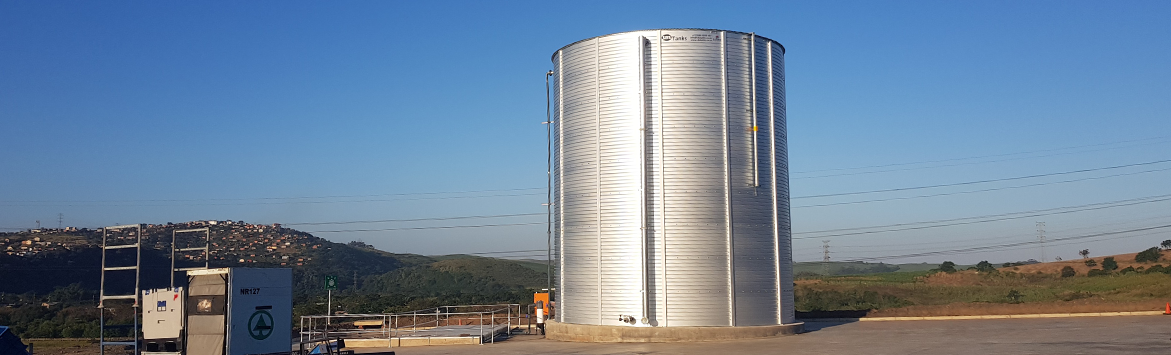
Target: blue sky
149,112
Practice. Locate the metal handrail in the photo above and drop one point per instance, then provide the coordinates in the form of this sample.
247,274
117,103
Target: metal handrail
411,323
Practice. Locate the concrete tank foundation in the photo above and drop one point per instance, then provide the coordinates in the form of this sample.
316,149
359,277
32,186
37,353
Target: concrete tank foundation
624,334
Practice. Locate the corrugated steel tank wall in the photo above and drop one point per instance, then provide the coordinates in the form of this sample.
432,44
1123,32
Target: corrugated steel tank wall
670,176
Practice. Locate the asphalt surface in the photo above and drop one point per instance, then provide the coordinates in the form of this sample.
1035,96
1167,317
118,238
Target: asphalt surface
1084,335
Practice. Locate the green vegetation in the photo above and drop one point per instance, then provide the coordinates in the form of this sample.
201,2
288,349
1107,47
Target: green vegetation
1109,264
1149,256
816,269
948,267
894,290
1014,296
985,266
979,290
66,312
831,300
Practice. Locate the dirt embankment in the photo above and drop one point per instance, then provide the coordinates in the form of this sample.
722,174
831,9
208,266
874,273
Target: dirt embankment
979,309
1079,265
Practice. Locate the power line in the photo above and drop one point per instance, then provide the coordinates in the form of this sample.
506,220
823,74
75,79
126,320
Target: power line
507,252
960,164
979,221
424,228
298,197
413,220
986,216
980,157
290,202
886,246
983,181
119,203
820,205
1009,245
982,190
1048,243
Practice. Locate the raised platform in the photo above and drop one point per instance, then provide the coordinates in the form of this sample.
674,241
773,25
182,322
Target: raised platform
444,335
618,334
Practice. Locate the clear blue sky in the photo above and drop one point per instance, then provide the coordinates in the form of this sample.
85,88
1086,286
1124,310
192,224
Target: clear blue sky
154,112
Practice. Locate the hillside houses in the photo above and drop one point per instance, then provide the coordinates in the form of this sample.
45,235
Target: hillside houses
231,241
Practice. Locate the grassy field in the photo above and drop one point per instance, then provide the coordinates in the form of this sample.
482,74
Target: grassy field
1005,291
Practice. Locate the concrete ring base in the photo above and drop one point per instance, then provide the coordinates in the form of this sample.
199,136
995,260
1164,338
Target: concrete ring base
620,334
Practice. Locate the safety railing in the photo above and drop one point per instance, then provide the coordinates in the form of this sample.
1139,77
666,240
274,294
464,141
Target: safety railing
487,322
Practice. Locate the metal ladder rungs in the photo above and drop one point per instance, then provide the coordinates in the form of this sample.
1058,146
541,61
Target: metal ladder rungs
189,268
111,343
123,246
134,296
191,249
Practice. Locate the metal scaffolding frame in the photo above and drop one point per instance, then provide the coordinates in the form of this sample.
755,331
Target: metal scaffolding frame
102,296
175,250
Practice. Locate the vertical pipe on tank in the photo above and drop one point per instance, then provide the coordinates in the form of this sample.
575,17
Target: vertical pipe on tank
561,183
755,163
772,145
662,183
642,224
728,180
548,188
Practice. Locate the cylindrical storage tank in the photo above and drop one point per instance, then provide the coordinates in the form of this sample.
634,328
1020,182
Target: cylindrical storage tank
671,189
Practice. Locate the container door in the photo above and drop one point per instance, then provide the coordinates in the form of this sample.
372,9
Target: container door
206,314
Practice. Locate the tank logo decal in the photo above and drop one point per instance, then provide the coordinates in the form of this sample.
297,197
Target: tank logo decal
694,37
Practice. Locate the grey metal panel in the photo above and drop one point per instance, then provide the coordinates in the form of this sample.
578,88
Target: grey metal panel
694,182
578,200
206,333
699,176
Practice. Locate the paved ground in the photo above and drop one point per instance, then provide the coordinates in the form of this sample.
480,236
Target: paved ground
1088,335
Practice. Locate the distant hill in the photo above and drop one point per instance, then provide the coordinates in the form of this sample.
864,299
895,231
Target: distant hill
539,266
59,268
44,260
842,268
1083,266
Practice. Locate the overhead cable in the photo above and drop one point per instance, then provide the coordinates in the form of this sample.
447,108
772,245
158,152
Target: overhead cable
983,156
982,190
1139,201
413,219
1008,245
983,181
424,228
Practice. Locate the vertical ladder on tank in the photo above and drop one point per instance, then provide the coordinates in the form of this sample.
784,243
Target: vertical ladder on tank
175,250
134,296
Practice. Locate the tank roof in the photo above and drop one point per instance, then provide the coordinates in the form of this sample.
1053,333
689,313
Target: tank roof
666,29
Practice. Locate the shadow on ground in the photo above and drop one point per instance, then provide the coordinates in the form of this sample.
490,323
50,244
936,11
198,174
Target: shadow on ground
818,320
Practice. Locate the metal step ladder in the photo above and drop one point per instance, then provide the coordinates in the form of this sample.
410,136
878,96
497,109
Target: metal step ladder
175,250
120,271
